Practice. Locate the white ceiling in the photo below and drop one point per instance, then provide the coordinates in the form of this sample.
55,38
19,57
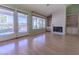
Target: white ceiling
41,8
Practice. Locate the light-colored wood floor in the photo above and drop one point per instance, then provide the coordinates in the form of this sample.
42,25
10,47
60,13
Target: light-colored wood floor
43,44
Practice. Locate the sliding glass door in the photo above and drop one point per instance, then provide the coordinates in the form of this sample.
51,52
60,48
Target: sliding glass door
6,22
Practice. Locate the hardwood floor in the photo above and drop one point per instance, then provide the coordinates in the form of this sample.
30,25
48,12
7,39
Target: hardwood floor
43,44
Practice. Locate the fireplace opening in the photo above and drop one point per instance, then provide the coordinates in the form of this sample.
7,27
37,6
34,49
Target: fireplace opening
57,29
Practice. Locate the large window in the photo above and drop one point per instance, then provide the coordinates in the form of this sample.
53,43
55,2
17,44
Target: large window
22,22
38,23
14,22
6,22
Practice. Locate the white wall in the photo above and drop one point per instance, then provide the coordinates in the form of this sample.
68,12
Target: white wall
59,19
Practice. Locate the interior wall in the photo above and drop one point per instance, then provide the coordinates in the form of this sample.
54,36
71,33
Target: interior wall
59,19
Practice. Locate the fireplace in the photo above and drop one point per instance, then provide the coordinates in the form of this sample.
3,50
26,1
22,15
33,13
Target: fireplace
57,29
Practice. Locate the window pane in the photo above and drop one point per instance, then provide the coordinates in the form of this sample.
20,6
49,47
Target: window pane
41,23
34,22
38,23
22,22
6,22
44,23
